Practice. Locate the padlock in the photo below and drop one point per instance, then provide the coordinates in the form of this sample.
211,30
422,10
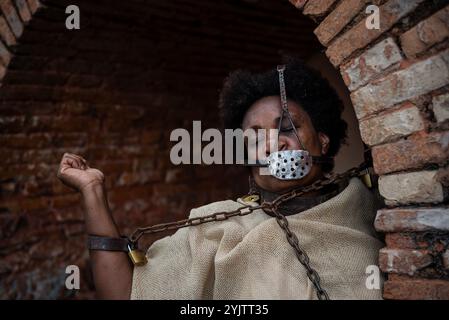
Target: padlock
251,198
366,178
137,256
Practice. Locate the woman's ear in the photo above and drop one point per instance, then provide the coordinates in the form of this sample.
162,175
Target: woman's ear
324,140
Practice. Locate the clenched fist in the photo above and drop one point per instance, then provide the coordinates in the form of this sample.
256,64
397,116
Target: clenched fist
74,172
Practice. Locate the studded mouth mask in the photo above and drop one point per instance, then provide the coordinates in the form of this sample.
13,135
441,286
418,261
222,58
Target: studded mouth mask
290,164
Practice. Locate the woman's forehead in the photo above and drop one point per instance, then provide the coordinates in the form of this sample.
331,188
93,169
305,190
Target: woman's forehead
267,110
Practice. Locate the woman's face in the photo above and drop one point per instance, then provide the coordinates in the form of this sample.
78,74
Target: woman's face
265,114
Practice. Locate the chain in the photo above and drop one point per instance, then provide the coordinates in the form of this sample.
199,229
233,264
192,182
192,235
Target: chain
282,88
270,207
301,255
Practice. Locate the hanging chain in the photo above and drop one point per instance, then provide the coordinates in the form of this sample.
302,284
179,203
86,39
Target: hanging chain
272,207
283,93
284,106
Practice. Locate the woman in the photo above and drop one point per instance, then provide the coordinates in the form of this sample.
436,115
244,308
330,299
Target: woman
247,257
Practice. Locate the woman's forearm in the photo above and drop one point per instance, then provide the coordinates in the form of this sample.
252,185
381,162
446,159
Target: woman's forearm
112,271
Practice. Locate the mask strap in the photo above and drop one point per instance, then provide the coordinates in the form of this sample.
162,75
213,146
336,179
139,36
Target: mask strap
284,105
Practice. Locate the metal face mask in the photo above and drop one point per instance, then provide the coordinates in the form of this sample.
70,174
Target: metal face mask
289,164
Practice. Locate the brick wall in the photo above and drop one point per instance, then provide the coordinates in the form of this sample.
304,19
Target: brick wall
399,82
113,91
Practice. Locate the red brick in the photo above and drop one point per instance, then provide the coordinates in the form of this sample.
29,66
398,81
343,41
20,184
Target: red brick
9,157
69,215
34,5
74,230
151,137
67,200
62,123
417,187
318,8
359,36
417,289
12,17
5,55
338,19
299,4
390,126
371,64
403,241
412,219
403,261
47,249
23,9
426,33
6,33
2,71
417,79
414,152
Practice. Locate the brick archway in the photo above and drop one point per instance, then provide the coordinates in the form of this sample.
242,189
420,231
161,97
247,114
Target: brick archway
399,81
398,78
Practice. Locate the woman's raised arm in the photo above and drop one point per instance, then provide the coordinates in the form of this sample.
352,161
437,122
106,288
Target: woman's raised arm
112,271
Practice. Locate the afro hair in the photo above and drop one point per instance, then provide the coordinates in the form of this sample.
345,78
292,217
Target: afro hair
303,85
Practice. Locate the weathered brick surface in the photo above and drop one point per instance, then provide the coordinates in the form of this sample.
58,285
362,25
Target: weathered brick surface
392,125
12,17
5,55
299,4
403,240
416,289
412,219
411,188
419,78
371,63
338,19
5,32
359,36
34,5
23,10
403,261
414,152
426,33
440,105
318,8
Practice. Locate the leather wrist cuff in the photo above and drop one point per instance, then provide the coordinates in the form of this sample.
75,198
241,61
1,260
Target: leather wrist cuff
108,243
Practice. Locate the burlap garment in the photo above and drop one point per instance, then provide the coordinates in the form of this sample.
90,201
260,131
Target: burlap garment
249,257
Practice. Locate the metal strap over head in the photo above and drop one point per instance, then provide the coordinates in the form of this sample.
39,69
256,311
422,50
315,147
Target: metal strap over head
284,105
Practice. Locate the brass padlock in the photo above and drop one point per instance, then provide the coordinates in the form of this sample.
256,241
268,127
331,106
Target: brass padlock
251,198
137,256
367,179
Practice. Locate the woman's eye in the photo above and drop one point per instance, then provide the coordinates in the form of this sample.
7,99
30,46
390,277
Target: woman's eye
286,129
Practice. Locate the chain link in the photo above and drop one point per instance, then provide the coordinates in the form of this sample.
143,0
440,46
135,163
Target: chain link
272,207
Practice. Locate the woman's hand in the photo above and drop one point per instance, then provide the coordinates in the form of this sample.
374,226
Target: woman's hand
74,172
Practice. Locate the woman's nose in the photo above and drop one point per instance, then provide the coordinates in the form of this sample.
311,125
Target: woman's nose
273,144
